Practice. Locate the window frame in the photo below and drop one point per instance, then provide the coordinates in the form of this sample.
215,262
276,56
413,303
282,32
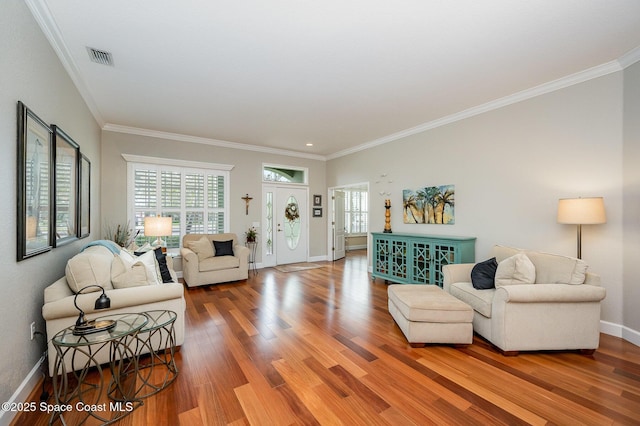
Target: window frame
349,212
183,167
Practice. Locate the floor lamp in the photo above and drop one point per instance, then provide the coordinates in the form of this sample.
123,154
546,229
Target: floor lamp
581,211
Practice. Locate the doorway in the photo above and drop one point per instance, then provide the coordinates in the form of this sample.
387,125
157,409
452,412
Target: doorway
349,224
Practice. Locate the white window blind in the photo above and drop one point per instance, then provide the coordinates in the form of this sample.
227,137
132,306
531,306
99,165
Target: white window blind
356,212
195,199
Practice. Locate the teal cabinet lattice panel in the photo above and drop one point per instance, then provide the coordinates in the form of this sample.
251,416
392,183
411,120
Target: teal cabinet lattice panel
418,259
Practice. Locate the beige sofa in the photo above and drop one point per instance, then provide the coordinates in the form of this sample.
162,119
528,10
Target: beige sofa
559,311
201,265
95,265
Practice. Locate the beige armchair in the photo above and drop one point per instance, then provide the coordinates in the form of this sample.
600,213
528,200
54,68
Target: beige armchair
559,311
202,264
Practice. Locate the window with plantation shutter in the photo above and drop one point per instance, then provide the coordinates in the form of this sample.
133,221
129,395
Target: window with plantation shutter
356,212
195,199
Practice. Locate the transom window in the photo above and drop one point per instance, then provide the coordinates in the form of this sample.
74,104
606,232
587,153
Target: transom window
283,174
196,199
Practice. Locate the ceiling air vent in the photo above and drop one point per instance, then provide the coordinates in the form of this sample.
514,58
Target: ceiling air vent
100,56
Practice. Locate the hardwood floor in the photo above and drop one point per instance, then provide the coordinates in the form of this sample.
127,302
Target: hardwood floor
318,347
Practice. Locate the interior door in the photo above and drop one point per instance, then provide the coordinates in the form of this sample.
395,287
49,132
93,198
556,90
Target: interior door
338,225
291,217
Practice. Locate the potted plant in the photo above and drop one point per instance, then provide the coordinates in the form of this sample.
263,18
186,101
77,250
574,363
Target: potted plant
251,235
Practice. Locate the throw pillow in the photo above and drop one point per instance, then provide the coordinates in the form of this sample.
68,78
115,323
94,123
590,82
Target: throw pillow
202,247
161,258
148,259
125,275
483,274
223,248
91,267
517,269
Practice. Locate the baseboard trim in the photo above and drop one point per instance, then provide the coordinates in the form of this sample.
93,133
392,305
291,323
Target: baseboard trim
617,330
22,393
318,258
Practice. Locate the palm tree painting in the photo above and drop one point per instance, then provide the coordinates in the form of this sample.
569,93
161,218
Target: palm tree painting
431,204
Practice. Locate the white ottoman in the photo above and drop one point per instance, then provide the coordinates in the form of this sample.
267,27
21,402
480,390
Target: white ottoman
428,314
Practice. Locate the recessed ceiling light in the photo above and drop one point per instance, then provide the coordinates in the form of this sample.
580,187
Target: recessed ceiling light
309,144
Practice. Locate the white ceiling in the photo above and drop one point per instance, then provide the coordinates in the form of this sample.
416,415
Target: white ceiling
341,74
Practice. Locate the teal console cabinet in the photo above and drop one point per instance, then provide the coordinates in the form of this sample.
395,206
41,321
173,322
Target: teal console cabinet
418,259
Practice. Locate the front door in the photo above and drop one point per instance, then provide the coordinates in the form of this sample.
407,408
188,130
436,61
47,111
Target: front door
291,217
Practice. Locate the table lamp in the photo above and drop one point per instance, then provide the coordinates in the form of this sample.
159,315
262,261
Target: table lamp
85,327
581,211
157,226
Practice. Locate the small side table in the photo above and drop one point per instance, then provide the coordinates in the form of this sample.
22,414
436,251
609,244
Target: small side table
83,395
155,346
253,246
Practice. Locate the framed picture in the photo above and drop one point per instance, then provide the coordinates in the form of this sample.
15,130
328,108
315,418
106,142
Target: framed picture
317,200
34,188
65,180
430,204
84,216
317,212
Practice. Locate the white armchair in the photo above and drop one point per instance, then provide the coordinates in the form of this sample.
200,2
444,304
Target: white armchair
202,264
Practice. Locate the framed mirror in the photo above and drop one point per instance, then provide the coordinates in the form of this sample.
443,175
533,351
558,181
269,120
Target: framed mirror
66,186
35,159
84,219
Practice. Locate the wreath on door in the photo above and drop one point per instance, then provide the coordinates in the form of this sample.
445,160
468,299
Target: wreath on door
291,212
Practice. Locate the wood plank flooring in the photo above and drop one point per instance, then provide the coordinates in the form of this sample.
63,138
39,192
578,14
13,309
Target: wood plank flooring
318,347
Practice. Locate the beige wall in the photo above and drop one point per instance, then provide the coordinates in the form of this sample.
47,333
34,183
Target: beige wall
355,242
509,167
631,210
246,178
32,73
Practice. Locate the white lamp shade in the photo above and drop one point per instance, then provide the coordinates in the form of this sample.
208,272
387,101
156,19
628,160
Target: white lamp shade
156,226
581,211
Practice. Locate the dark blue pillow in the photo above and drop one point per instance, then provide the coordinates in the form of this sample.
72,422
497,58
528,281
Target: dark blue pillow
161,258
483,274
162,264
223,248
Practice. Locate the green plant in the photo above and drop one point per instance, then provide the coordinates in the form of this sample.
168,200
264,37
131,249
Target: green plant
251,235
120,234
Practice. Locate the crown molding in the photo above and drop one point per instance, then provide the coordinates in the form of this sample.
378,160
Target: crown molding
132,158
630,58
43,17
206,141
552,86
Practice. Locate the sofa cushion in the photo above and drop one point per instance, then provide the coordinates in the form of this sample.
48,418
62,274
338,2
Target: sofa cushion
557,269
202,247
483,274
218,263
90,267
223,248
517,269
480,300
125,275
428,303
550,268
148,260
